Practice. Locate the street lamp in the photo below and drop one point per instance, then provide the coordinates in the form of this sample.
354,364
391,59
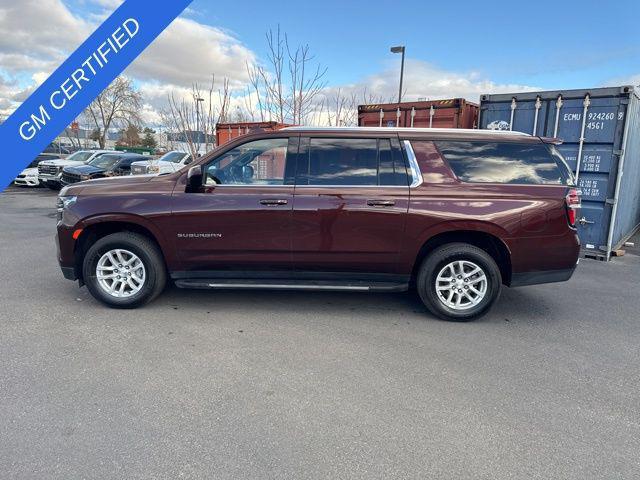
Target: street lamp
400,49
198,100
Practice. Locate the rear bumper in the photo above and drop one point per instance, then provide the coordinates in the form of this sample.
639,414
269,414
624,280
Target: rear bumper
535,278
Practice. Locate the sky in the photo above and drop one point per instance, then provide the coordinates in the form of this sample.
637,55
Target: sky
452,48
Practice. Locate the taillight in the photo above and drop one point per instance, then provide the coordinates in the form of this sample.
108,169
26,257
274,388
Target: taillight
572,201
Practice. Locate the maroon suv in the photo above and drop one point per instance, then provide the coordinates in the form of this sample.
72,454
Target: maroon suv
457,213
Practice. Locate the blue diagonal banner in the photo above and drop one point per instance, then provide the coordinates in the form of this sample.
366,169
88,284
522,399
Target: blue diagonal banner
89,70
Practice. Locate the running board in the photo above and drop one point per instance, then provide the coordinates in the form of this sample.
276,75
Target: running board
279,284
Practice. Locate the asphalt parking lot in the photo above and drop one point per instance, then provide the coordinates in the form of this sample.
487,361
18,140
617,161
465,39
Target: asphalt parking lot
203,384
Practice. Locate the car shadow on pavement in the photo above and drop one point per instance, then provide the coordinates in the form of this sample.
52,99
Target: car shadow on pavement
514,304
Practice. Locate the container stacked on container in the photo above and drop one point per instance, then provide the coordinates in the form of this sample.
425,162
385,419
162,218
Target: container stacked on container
600,130
452,113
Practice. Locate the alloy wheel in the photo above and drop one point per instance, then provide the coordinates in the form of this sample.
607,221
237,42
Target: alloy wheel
120,273
461,285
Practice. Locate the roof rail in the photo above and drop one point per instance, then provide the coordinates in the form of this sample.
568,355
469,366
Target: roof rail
405,130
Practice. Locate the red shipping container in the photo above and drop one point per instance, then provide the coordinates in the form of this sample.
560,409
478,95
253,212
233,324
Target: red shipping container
229,131
452,113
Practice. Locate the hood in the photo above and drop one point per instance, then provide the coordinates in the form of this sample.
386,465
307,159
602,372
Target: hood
60,162
30,172
84,169
158,163
110,185
144,163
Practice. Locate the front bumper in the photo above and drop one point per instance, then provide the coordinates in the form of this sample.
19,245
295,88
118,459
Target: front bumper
51,180
27,181
65,252
69,273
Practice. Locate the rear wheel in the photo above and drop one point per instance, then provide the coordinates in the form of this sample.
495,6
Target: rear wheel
124,270
459,282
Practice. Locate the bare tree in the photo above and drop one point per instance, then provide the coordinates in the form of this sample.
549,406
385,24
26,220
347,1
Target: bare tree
254,87
287,87
194,119
224,99
274,78
305,84
117,105
73,136
342,109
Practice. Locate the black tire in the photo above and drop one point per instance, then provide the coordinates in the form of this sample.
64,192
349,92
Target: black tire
53,186
439,259
141,246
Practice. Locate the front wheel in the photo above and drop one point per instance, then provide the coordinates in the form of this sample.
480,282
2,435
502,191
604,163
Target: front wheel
459,282
124,270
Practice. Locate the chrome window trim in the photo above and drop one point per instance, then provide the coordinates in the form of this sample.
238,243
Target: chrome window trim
416,177
219,185
351,186
416,174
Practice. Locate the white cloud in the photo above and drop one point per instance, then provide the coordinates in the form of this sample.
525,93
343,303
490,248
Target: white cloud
27,39
188,52
633,80
185,53
425,81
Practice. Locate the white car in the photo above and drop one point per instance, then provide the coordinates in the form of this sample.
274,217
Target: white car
168,163
50,171
28,178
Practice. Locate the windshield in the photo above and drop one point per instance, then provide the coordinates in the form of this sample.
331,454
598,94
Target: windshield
105,161
80,156
175,157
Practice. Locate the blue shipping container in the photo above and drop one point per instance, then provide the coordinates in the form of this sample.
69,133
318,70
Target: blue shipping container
600,130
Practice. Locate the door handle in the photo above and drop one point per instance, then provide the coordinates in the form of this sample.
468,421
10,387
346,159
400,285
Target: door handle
272,202
380,203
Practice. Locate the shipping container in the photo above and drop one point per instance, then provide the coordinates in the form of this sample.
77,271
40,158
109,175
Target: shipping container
600,130
452,113
229,131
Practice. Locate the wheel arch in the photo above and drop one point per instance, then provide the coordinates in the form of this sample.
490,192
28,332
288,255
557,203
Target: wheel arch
98,227
489,242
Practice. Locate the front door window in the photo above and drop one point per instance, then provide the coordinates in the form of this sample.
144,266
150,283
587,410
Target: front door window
261,162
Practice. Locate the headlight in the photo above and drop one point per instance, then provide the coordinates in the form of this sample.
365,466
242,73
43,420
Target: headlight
153,169
64,202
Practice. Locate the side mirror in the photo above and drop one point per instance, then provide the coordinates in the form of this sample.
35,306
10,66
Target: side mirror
247,172
194,179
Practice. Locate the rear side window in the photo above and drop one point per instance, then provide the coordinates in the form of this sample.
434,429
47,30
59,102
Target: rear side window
352,161
481,162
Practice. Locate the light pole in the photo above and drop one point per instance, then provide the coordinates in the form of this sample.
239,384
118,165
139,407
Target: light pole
400,49
198,100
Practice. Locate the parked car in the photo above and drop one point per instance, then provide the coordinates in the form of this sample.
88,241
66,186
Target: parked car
50,171
457,213
168,163
57,148
29,176
111,164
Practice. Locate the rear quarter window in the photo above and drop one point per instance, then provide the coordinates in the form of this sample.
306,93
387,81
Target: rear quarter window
495,162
